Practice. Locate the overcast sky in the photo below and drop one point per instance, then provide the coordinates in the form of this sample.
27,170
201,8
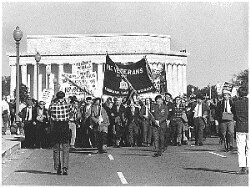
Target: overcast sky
215,34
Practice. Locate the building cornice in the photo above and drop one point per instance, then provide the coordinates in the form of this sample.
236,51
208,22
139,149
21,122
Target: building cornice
96,35
170,53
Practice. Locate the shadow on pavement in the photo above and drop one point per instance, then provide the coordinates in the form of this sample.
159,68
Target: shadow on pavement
212,170
36,172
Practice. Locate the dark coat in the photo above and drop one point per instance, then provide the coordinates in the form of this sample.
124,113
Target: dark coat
220,109
133,118
23,114
159,113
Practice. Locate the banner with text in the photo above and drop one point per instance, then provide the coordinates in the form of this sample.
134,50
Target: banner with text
138,74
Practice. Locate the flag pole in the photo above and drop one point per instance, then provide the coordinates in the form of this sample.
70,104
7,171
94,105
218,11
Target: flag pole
83,89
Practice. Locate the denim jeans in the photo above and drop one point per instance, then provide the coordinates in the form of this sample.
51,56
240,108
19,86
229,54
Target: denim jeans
61,155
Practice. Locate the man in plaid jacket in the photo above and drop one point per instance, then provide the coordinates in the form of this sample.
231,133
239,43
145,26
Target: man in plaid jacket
59,113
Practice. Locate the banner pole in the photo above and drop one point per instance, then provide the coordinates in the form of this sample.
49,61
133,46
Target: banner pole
83,89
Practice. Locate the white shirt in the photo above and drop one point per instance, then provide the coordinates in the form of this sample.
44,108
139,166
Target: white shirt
29,114
198,110
227,106
5,106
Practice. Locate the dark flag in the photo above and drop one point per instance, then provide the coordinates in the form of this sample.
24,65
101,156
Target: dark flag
137,74
163,81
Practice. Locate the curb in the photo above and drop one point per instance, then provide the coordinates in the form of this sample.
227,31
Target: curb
11,150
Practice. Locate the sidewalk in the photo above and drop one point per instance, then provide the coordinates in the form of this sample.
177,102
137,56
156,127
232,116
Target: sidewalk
10,143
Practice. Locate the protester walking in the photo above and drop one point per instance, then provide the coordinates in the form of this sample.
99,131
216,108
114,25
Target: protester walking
133,123
242,135
159,115
224,117
200,110
118,115
177,124
59,113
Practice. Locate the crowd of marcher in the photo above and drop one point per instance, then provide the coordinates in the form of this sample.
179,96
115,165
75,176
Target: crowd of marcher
70,123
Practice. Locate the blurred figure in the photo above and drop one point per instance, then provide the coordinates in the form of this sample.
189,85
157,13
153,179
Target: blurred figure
242,136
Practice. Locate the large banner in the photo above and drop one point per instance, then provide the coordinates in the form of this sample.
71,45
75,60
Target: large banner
138,74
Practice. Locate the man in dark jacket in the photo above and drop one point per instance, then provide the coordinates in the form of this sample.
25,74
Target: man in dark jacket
28,115
200,110
242,137
224,117
118,115
159,116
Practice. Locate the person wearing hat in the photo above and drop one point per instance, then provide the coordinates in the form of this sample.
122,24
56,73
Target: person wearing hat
225,119
200,111
59,112
159,115
41,124
99,121
28,115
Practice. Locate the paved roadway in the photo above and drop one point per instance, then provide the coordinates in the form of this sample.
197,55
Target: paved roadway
186,165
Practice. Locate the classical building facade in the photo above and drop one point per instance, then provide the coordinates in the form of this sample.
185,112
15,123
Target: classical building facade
60,52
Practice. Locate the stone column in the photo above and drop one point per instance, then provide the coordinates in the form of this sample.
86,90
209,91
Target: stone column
24,74
60,72
175,81
35,86
12,80
184,79
170,78
180,88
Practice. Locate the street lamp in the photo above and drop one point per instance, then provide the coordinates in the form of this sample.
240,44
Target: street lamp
37,58
17,35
